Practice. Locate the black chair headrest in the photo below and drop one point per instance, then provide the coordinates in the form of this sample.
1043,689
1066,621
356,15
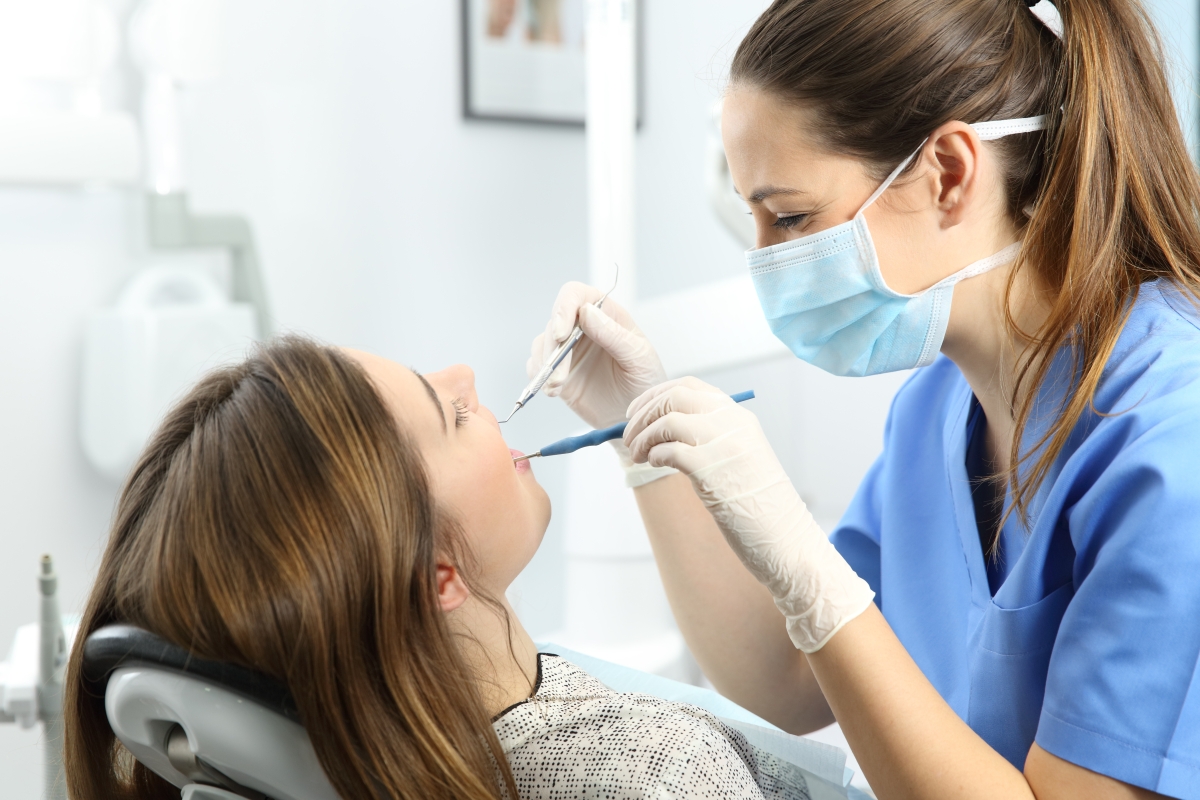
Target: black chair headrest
115,646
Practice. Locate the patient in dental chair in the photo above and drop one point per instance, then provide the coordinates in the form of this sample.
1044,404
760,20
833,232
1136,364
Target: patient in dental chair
349,527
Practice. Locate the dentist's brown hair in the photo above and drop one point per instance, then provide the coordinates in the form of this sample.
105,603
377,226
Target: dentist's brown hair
281,520
1114,193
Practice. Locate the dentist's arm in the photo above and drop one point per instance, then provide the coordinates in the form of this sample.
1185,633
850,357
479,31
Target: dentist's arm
727,617
909,742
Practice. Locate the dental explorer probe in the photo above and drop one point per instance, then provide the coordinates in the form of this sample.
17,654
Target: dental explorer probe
601,435
556,358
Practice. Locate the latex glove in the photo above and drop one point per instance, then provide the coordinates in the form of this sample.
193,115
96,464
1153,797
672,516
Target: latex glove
611,365
702,432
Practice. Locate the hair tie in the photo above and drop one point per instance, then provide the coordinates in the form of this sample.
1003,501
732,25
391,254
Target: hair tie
1047,14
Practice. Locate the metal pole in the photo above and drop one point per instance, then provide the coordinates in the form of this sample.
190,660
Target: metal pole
51,663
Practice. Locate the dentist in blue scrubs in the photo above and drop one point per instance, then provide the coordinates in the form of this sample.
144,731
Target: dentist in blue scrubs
998,194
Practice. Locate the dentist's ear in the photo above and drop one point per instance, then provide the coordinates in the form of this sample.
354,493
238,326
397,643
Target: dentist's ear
452,590
955,151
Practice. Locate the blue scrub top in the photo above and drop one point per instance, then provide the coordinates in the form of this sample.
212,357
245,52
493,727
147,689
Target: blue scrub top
1091,643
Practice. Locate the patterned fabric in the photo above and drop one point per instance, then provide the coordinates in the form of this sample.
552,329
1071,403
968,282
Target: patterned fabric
576,738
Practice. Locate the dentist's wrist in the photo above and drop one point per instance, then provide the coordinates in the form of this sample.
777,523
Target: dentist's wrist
638,474
776,537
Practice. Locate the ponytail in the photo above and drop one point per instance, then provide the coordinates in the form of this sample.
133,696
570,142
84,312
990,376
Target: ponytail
1118,207
1113,193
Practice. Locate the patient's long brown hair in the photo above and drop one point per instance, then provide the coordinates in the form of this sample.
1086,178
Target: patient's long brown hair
280,519
1114,195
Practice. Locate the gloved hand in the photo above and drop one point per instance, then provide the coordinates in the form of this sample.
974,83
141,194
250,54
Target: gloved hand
610,366
720,445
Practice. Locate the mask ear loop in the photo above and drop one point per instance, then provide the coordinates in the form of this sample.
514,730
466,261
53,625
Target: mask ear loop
997,129
889,179
986,131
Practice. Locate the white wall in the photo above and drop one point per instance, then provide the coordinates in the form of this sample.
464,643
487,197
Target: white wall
386,222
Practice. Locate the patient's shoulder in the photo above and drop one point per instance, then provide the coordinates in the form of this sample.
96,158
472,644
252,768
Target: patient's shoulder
577,737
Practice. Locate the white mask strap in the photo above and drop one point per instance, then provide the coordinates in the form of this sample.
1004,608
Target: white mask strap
987,131
888,180
979,267
999,128
990,263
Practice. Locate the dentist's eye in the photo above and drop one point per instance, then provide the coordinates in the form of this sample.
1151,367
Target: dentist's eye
460,412
788,223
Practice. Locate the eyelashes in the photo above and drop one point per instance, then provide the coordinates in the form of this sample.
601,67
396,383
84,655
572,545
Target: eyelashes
460,412
788,223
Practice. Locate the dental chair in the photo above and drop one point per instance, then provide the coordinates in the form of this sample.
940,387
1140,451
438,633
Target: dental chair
217,731
223,732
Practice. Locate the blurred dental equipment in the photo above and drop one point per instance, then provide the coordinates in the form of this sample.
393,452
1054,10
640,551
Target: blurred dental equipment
168,322
177,44
31,678
556,358
169,325
592,438
58,59
180,314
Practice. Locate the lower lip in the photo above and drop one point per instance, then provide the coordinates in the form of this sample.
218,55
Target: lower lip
519,466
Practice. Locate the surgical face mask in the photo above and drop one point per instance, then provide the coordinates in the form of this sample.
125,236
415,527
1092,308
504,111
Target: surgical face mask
825,298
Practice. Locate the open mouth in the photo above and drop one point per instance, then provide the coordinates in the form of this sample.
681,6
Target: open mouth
519,466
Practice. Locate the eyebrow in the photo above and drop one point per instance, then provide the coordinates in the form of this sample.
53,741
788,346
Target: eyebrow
432,396
772,191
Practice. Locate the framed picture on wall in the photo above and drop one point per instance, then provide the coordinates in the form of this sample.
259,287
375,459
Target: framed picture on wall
523,60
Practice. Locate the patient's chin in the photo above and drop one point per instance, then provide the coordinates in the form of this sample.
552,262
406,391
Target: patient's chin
545,504
541,517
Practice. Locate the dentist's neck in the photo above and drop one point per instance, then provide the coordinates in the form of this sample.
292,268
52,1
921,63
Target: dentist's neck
989,352
498,650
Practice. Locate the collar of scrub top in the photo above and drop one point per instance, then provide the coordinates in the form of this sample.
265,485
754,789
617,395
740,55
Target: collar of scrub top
1047,12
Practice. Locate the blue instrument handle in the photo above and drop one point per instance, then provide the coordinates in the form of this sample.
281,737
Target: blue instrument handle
601,435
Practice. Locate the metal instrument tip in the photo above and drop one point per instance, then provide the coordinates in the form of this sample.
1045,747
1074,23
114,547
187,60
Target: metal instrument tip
527,457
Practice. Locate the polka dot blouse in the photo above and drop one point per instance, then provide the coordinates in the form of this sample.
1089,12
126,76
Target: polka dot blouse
576,738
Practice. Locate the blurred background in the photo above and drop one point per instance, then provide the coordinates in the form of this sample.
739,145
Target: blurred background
407,193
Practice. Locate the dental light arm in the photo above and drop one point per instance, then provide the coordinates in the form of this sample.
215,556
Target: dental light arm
177,44
173,225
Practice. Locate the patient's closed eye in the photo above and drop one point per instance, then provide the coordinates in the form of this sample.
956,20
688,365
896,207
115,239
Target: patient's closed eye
460,412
